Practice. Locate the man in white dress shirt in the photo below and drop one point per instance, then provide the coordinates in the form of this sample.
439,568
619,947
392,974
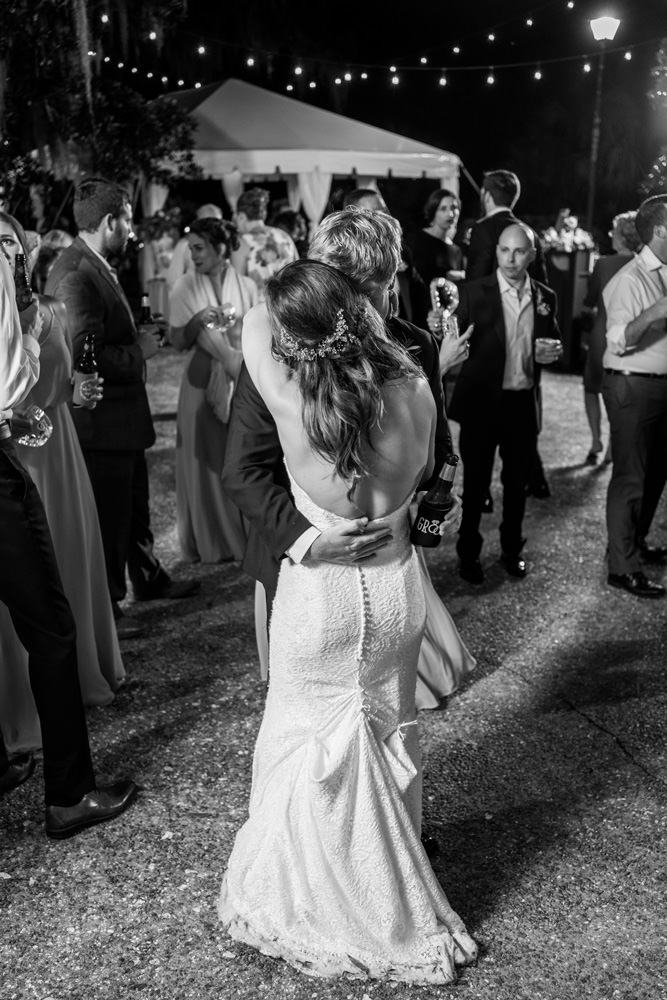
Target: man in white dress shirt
634,388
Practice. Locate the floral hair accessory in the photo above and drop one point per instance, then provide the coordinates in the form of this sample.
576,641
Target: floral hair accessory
333,346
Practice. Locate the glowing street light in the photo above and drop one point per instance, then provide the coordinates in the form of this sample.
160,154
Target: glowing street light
604,30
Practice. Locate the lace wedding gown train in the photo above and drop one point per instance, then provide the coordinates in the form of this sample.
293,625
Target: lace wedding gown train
329,872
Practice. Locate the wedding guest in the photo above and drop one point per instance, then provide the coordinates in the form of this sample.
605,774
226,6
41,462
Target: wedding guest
263,249
59,473
116,433
626,243
31,588
181,261
634,387
294,225
434,252
210,526
495,398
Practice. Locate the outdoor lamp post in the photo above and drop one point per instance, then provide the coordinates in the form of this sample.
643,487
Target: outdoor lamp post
604,29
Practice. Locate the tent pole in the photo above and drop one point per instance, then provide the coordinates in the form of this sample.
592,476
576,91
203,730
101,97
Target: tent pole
470,179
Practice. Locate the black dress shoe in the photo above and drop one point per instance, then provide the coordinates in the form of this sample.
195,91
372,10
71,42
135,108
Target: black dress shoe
431,846
128,627
487,506
98,806
636,583
19,770
471,571
540,490
171,589
515,566
655,554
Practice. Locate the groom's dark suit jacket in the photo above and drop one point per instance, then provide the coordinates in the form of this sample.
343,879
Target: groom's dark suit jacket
96,303
254,473
484,236
479,384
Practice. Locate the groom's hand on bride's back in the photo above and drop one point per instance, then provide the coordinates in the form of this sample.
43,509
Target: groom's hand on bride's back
349,543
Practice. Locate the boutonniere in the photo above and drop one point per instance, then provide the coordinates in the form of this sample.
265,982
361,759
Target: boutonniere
541,305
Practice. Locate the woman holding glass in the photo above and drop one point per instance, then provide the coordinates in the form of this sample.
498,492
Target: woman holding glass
206,309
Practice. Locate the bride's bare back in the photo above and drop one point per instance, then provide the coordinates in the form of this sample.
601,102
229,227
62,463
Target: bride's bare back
403,444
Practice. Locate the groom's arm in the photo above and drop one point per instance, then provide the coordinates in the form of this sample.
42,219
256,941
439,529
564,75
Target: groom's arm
254,474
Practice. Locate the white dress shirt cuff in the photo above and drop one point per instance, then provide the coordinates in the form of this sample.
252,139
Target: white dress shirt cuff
298,550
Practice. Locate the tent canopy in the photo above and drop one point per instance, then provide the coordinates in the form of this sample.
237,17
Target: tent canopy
241,127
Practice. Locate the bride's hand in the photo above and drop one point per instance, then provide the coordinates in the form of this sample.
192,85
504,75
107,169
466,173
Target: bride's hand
452,522
350,543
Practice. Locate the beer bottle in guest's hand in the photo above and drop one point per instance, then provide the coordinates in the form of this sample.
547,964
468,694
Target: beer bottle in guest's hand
434,507
85,375
145,311
23,290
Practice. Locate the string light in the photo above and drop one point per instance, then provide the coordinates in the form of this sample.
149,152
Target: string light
628,56
392,69
529,22
153,36
364,76
298,70
338,81
570,4
289,87
491,78
423,60
201,50
107,58
197,86
120,65
456,50
395,81
348,77
250,61
104,19
443,81
181,83
134,69
587,67
165,79
91,52
149,76
312,85
492,37
538,74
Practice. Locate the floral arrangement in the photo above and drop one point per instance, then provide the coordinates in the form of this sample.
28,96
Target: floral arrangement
566,235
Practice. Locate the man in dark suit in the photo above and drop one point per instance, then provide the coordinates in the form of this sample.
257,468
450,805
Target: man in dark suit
113,436
496,396
365,246
500,192
30,586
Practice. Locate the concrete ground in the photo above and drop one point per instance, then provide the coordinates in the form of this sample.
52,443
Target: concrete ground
545,781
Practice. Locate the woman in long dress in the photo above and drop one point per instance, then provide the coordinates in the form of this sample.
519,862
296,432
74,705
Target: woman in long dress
59,472
434,252
329,872
210,526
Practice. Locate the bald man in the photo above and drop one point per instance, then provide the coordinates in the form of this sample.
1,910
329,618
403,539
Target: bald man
496,397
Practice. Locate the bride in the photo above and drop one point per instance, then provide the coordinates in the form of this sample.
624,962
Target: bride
329,872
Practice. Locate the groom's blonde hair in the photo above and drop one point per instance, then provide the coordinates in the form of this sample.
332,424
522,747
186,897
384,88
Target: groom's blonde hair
366,246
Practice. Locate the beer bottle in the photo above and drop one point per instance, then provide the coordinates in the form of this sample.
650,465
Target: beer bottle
85,375
434,507
21,283
145,311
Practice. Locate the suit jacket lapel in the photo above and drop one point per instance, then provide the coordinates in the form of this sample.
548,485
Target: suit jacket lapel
493,291
105,275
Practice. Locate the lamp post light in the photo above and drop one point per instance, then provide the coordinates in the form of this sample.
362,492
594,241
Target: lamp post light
604,30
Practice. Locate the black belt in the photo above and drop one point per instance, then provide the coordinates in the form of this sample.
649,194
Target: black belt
616,371
5,430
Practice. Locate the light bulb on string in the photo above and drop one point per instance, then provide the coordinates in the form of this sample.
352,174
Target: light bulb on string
338,81
104,18
149,76
134,69
537,75
181,83
490,78
587,67
395,81
364,76
197,86
164,79
201,50
570,4
491,37
107,58
423,60
348,77
456,50
442,82
91,52
628,56
312,85
289,87
250,61
392,69
529,22
298,70
120,65
152,35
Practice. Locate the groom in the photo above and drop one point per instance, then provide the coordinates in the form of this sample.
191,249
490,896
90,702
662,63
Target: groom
366,246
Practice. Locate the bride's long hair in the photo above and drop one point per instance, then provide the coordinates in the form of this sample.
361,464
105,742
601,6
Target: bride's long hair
335,344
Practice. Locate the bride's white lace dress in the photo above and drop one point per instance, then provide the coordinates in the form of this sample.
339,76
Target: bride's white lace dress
329,872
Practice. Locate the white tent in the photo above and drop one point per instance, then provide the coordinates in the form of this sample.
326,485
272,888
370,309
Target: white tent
247,133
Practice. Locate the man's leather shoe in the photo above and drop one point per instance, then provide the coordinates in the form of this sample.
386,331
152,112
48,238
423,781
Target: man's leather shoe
487,505
636,583
515,566
171,589
19,770
655,554
471,571
540,490
128,628
431,846
98,806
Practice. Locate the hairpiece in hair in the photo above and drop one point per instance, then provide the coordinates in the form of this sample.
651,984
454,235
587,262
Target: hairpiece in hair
333,346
